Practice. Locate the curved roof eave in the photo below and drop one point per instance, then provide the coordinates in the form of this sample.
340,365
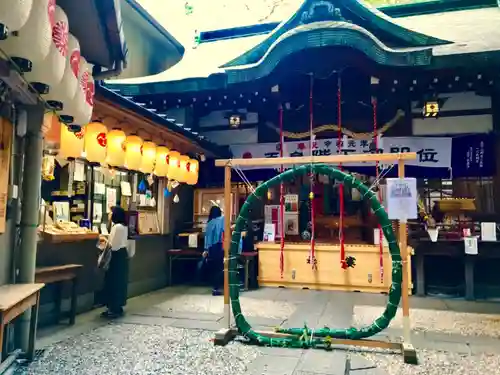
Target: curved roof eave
372,19
326,34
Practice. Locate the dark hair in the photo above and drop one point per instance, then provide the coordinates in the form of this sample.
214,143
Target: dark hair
118,215
215,212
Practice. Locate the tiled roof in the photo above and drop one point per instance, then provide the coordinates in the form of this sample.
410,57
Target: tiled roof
471,31
475,30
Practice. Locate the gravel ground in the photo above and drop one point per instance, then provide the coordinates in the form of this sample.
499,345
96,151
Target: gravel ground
215,305
466,324
126,349
437,363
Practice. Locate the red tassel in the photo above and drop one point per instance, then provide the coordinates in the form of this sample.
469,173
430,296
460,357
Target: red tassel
282,200
311,146
381,234
343,264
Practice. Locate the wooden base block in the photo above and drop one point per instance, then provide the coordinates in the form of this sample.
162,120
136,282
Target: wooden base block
410,354
224,336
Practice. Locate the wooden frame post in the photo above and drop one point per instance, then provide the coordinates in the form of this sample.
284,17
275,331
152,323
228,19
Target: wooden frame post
226,334
227,243
409,353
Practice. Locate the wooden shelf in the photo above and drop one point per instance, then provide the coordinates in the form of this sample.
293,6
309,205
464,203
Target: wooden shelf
65,237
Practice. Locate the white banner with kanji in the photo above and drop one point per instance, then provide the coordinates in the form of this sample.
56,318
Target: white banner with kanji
434,152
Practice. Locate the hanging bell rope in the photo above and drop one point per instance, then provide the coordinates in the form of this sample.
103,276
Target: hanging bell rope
282,199
343,263
377,175
312,257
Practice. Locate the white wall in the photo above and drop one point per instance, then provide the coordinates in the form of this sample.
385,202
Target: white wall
233,136
449,125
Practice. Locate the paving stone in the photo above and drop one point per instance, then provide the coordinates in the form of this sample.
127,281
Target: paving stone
146,320
358,362
263,293
332,363
269,365
368,371
338,311
157,311
193,324
264,322
282,352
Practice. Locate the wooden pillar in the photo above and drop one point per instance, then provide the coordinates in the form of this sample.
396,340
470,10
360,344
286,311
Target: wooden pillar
495,105
404,256
227,242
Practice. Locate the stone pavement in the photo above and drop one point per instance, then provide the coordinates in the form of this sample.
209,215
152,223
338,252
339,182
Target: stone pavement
170,331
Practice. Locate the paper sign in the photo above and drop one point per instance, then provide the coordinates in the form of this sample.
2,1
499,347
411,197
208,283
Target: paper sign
291,203
269,232
193,240
99,188
402,198
110,199
291,224
470,244
488,232
97,213
79,173
126,190
61,211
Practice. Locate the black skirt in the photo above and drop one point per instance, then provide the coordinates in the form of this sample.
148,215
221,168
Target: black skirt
116,280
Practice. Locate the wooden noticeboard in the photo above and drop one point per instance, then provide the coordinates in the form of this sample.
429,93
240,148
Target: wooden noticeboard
5,152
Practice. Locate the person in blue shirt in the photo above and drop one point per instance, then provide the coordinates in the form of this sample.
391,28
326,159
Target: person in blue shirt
214,248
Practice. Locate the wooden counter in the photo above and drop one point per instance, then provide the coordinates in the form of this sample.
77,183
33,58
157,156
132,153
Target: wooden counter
364,277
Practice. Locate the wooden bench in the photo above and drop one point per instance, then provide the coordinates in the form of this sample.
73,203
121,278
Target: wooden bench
180,255
14,300
58,275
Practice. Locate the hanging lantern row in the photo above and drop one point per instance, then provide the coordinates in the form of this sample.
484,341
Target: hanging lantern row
116,149
39,42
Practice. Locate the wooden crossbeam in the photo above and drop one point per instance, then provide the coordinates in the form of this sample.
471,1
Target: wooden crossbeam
332,159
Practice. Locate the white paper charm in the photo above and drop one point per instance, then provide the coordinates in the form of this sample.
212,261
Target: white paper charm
470,244
433,234
488,232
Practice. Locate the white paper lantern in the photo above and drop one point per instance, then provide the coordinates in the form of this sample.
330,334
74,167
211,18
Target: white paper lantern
161,163
96,142
193,172
148,157
72,144
75,105
133,156
52,68
81,110
173,165
15,13
61,96
89,92
31,44
116,147
183,168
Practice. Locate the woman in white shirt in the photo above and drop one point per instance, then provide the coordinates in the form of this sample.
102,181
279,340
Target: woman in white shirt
116,278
